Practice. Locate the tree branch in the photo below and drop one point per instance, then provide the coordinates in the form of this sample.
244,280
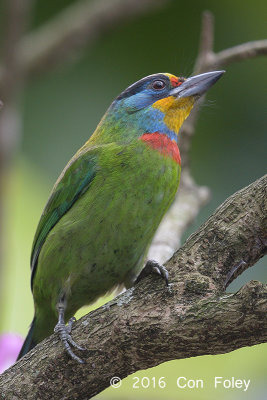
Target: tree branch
240,53
77,26
148,324
191,197
205,49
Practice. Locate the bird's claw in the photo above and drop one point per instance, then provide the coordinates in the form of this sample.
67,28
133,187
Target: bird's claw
64,333
70,323
153,267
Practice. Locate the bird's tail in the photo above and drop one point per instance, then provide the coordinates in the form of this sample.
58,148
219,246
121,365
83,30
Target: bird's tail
29,343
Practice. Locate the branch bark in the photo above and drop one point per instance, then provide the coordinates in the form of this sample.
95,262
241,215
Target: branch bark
148,324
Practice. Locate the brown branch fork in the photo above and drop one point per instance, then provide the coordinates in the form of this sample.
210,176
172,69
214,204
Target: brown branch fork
150,324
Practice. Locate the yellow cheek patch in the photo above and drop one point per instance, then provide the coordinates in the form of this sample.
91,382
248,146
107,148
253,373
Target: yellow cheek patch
175,110
165,104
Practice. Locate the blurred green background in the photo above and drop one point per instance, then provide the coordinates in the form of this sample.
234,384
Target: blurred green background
60,111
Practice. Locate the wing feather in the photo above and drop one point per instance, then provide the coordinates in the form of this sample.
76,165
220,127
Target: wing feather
73,182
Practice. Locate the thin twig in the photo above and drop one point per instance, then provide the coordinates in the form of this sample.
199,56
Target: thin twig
205,51
241,52
81,24
190,197
169,234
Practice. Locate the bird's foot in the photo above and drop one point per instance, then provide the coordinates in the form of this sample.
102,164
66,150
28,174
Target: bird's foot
153,267
64,332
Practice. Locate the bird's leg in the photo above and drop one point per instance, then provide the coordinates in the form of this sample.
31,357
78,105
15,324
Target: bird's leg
65,331
153,267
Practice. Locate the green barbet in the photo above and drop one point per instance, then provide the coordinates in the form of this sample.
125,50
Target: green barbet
107,203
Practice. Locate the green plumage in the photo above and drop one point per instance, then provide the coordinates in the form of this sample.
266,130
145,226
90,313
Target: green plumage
102,240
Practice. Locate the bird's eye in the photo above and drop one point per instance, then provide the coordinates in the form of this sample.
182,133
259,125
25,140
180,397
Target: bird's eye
158,85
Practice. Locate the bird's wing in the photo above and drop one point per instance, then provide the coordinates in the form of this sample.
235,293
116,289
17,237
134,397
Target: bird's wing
73,182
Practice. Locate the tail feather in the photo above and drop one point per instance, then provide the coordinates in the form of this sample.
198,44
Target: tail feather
29,343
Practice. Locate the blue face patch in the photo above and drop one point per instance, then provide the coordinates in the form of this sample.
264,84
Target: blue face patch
132,112
143,93
142,100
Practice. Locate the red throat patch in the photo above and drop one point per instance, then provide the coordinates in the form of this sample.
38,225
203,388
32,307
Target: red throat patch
162,143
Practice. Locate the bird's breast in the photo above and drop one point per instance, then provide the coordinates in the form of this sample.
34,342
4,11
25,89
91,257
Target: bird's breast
163,144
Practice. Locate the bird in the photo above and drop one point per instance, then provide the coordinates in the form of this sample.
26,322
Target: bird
102,213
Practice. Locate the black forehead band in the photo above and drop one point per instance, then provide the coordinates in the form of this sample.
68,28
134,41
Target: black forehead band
135,87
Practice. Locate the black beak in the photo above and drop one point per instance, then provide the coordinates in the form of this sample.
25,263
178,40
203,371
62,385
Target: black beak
197,85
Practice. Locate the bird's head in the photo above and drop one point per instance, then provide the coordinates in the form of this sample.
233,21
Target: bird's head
159,102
